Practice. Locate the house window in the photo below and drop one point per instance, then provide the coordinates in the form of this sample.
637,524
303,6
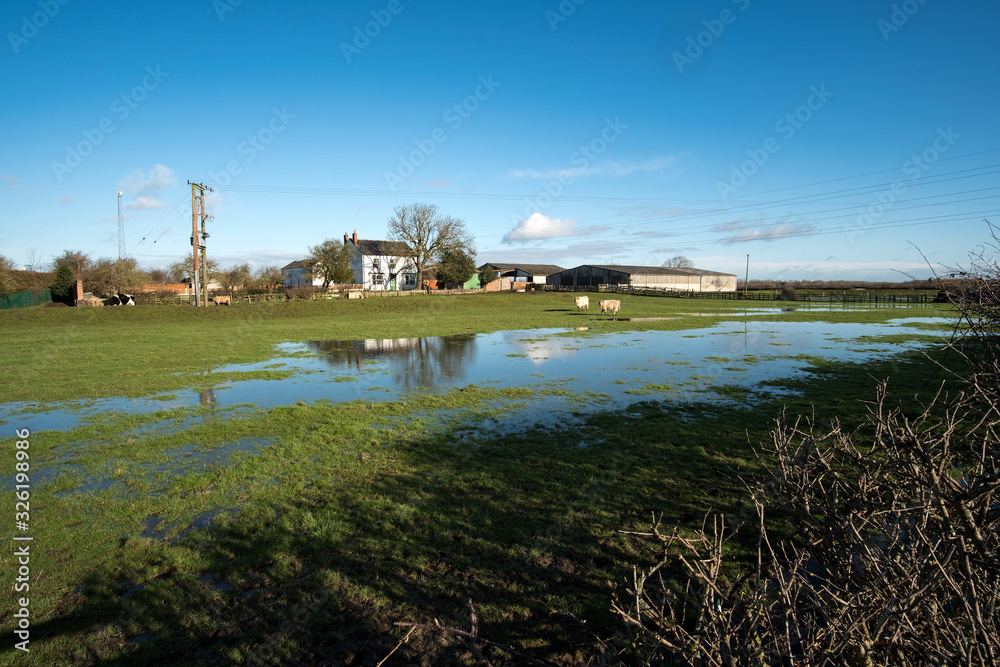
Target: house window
376,264
378,278
409,279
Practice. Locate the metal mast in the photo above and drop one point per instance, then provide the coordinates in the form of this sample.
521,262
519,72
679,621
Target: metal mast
121,229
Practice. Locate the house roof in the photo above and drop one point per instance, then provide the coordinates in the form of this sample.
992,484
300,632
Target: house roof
372,248
655,270
533,269
298,264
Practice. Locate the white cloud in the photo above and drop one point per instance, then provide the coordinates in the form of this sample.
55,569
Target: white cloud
742,231
147,187
65,200
144,204
606,168
539,227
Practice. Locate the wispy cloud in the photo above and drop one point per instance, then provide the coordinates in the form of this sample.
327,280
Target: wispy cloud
65,200
540,227
439,184
10,181
742,231
144,204
606,168
147,187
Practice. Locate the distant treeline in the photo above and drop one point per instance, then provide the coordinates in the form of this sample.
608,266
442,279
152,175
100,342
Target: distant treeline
833,285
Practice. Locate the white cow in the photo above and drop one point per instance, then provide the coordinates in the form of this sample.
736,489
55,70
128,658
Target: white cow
611,306
582,302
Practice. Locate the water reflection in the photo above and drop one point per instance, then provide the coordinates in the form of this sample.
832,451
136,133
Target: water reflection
621,367
415,362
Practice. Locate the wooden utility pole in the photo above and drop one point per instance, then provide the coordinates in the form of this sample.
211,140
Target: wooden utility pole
746,280
198,245
194,245
204,245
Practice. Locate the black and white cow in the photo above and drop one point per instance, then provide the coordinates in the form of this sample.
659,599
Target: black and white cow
120,300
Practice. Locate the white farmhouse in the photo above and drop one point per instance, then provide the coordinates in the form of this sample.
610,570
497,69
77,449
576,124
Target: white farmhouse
382,265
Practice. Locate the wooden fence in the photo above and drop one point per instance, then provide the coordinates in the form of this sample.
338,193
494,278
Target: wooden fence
847,296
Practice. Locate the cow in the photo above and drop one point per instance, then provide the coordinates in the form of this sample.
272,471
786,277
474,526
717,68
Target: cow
611,306
219,300
120,300
582,302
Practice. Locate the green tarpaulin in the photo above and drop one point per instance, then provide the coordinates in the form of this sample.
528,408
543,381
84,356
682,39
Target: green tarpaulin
32,297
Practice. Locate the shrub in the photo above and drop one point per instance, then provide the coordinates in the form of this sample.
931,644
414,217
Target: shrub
896,553
63,284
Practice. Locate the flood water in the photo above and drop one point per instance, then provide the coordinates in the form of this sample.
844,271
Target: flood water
611,370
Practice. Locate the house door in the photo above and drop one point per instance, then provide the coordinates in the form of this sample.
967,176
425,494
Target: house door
392,283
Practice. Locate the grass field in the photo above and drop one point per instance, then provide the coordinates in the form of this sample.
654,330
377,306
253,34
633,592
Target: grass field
333,526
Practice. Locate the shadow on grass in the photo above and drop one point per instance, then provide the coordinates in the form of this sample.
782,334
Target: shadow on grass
525,526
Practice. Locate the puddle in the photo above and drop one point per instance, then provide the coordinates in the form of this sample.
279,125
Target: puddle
179,462
621,368
151,525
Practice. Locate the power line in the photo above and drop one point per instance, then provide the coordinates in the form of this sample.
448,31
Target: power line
713,209
181,201
914,222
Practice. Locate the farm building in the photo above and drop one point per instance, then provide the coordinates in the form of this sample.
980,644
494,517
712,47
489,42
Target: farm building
382,265
508,275
649,277
294,275
431,281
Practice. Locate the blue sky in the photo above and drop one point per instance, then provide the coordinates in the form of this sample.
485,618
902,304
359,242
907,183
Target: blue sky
825,140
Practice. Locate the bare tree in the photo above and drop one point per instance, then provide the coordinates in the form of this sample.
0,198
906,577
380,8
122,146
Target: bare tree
678,262
182,270
429,234
236,277
267,277
34,258
158,276
78,261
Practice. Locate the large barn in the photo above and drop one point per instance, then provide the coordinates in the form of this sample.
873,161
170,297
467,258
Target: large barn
648,277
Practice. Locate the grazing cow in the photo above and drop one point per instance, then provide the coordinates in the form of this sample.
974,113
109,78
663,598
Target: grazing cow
582,302
120,300
219,300
611,306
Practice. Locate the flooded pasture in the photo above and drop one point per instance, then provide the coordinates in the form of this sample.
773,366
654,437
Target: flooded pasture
576,369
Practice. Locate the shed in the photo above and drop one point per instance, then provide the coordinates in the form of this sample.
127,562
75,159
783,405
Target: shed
648,277
508,274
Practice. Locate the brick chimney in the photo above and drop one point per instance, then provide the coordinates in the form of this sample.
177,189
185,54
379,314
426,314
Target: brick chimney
355,237
345,238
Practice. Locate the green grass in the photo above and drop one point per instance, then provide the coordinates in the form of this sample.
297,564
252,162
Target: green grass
335,522
351,518
64,353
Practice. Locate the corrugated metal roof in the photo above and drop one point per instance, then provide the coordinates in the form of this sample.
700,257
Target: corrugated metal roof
656,270
534,269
